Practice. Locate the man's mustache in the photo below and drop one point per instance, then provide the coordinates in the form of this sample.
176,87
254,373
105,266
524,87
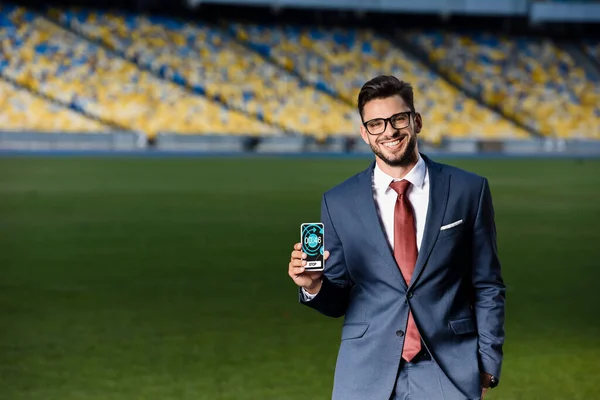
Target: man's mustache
388,139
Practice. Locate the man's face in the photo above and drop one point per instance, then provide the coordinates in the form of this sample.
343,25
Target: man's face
395,147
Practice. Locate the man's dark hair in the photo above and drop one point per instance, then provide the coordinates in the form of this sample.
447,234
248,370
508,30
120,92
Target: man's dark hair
384,86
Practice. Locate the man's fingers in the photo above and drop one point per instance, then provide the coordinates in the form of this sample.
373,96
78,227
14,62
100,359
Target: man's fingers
295,271
298,254
298,263
296,267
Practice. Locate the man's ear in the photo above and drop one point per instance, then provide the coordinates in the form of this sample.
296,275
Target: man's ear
364,134
418,123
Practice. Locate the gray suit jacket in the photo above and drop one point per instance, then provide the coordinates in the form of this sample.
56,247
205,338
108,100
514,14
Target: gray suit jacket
456,294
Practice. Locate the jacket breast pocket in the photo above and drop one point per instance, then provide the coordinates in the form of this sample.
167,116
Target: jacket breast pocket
463,326
451,230
354,330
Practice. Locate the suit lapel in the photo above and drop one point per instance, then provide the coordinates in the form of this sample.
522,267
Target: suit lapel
374,233
439,185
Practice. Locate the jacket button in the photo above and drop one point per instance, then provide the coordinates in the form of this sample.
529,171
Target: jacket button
399,333
409,295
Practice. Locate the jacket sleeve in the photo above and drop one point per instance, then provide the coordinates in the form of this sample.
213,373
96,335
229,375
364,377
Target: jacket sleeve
489,288
332,299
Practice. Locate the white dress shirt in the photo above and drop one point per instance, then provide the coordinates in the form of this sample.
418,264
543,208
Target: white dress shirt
418,195
385,202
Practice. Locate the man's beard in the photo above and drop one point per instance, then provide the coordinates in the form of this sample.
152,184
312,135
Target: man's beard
407,158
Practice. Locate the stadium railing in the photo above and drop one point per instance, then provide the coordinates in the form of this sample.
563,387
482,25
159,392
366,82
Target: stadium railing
218,144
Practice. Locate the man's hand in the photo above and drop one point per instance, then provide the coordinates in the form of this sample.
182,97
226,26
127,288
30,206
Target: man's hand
485,380
309,280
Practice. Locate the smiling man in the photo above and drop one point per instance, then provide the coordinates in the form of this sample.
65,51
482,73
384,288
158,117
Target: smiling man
411,264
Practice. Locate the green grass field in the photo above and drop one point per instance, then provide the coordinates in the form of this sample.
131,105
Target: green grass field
167,278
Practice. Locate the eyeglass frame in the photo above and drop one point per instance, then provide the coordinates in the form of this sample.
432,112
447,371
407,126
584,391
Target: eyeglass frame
386,120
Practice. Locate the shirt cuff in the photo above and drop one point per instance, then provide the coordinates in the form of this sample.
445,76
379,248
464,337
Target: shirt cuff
307,296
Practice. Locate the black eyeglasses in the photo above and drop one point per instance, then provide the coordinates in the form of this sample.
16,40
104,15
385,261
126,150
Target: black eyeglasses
377,126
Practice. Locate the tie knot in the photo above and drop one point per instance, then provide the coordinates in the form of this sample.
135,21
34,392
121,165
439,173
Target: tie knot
400,187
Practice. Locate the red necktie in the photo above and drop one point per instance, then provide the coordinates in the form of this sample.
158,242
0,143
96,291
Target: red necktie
405,253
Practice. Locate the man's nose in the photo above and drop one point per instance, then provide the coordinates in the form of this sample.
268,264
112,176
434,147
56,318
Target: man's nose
390,130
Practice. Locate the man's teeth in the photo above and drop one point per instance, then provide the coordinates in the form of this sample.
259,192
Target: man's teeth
392,144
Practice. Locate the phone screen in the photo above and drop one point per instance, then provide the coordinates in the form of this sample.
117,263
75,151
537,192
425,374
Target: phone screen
313,244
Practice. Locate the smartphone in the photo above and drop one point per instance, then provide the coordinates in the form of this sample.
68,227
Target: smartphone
312,237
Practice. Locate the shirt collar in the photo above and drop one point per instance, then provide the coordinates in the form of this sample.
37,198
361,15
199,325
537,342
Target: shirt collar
416,176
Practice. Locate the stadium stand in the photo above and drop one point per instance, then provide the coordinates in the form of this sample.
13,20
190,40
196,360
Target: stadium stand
22,111
48,59
152,74
531,80
341,59
210,60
